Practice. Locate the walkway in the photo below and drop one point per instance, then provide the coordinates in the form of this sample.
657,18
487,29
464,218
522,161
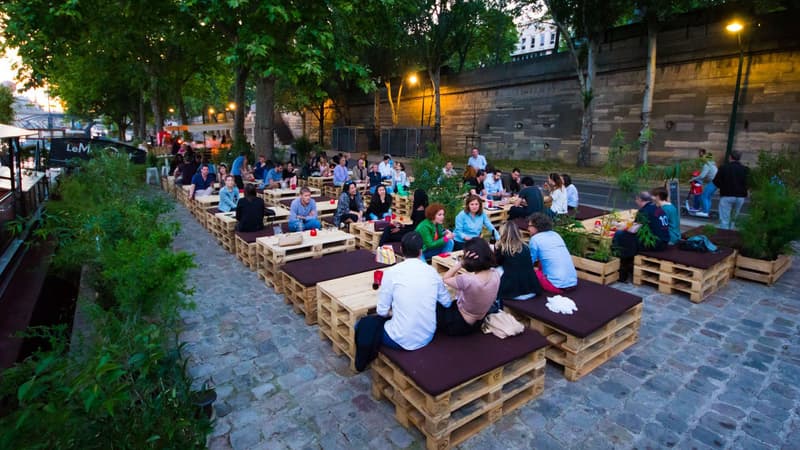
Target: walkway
721,374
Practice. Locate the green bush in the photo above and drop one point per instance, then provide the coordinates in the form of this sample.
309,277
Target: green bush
772,222
445,190
124,384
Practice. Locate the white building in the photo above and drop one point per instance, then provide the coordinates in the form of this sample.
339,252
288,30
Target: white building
535,39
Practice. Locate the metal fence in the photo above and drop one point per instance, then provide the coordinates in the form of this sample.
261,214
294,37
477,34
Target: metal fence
353,139
406,142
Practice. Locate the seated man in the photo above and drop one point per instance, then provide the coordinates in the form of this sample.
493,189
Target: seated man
494,185
627,241
260,168
548,248
250,211
374,177
303,212
340,173
476,185
660,197
530,200
448,170
411,290
202,183
385,168
514,186
273,178
228,195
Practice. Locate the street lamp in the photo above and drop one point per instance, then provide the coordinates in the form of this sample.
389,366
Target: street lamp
735,27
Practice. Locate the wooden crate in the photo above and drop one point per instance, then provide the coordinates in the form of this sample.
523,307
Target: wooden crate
318,182
330,190
401,205
452,417
671,277
767,272
182,195
340,303
200,207
596,271
366,236
579,356
246,252
498,214
272,256
443,264
225,230
273,197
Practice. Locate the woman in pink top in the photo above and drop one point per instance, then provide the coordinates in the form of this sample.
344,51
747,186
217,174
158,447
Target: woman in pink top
477,290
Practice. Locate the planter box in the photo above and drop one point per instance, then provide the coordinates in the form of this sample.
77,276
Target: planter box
767,272
596,271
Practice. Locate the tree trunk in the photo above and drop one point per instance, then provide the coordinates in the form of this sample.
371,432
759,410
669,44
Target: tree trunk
587,121
142,117
242,73
435,75
303,117
321,130
649,86
395,107
182,111
265,112
376,118
155,104
122,126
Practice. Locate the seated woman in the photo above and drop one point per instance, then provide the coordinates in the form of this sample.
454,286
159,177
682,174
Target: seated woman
558,195
400,179
351,206
435,238
514,258
477,290
471,221
396,232
228,195
250,211
223,173
381,204
572,192
547,247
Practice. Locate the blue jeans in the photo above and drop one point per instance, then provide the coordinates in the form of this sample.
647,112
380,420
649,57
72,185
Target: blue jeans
705,199
294,225
729,208
389,342
446,248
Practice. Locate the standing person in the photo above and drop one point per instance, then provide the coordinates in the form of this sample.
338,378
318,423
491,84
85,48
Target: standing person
558,195
411,290
548,248
237,168
228,195
340,173
706,177
731,180
385,167
350,208
660,198
530,200
476,160
380,205
250,211
514,185
572,192
435,237
477,290
471,221
202,183
303,212
517,281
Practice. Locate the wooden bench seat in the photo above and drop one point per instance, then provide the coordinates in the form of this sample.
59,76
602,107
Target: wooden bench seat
693,273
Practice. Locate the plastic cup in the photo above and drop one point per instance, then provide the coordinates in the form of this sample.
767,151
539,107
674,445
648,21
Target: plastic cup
333,201
294,186
313,232
394,216
489,203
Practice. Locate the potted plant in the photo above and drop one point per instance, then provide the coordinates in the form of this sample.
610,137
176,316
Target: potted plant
593,261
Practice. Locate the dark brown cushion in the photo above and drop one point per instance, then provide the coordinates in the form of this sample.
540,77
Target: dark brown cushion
381,225
214,210
597,305
251,236
583,212
309,272
692,259
521,223
720,237
449,361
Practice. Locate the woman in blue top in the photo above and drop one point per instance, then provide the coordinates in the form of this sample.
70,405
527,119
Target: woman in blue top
471,221
228,195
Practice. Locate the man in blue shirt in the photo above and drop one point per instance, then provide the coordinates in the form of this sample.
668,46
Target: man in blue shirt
236,169
273,178
260,167
340,173
494,185
303,212
549,249
477,160
202,183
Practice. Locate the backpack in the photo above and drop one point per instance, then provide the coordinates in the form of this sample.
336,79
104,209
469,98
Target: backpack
699,243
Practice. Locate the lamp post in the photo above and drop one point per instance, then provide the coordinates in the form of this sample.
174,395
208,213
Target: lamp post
735,27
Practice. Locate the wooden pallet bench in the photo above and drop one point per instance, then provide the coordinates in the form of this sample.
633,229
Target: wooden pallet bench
318,182
272,256
247,248
299,279
273,197
674,270
606,323
324,206
455,387
200,207
368,234
402,204
223,226
340,303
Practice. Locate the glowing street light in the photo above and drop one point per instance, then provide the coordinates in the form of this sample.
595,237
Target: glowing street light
735,27
412,79
232,106
211,110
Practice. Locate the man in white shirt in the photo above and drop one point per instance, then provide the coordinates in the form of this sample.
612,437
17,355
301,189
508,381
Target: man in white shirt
411,290
477,160
385,168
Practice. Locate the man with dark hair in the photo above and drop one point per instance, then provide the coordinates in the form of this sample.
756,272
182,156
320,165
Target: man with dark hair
731,179
476,186
303,212
661,199
260,168
530,200
273,178
514,185
237,168
250,211
202,183
386,167
411,290
549,249
627,241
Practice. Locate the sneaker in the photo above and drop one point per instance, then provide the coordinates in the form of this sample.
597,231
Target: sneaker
701,214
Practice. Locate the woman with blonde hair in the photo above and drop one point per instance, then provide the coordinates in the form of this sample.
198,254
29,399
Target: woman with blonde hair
518,280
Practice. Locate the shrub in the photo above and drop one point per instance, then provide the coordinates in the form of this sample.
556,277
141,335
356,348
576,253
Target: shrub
445,190
772,223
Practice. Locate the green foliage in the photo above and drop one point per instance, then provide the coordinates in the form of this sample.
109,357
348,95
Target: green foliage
445,190
782,166
709,229
603,252
304,147
644,234
123,383
572,231
6,105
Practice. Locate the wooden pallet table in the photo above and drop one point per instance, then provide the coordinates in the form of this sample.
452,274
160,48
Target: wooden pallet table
182,195
599,272
451,417
318,182
767,272
340,303
272,256
669,276
497,214
224,229
273,197
444,263
402,204
366,236
200,207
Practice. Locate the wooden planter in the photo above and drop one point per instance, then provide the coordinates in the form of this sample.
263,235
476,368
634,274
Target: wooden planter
767,272
596,271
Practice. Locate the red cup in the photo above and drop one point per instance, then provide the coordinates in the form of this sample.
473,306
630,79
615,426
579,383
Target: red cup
377,278
333,201
294,186
313,232
489,203
394,216
598,223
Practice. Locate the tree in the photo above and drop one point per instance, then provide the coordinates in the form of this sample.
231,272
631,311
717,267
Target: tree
581,24
6,105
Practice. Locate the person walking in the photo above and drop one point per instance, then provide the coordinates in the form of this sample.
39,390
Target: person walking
731,180
706,177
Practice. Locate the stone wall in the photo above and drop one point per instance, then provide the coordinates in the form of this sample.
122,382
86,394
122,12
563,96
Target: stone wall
531,110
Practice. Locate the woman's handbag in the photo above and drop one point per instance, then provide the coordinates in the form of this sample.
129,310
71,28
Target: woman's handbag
502,325
385,255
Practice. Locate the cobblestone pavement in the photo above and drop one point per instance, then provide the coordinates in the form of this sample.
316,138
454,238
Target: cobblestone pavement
721,374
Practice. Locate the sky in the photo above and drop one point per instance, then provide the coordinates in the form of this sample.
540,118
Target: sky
38,96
